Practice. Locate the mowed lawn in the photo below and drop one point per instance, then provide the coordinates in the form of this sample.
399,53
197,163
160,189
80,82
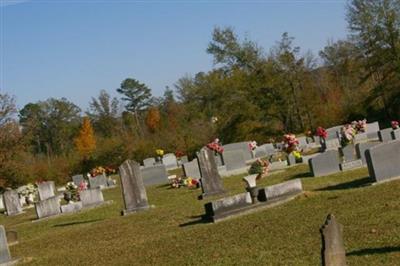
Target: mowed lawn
172,232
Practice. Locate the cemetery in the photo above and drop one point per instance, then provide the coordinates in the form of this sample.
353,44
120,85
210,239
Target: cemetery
120,144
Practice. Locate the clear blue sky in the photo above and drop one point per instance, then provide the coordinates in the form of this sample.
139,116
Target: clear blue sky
74,49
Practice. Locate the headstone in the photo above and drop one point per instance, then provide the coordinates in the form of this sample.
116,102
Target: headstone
221,208
396,134
133,190
234,160
332,132
184,159
191,169
372,131
360,137
351,165
98,181
149,162
333,252
154,175
11,202
362,147
385,135
77,179
1,202
218,159
286,189
291,160
5,256
169,160
348,152
278,165
324,164
260,153
12,237
383,161
332,144
211,182
91,197
46,190
268,147
302,142
250,180
71,207
48,207
244,146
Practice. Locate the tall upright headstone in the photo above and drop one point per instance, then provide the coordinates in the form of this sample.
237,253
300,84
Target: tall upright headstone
133,190
46,190
211,182
5,256
333,252
12,203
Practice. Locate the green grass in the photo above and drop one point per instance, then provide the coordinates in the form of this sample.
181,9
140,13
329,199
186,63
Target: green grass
173,234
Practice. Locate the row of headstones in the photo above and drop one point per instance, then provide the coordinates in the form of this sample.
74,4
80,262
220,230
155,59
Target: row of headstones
382,160
169,160
99,181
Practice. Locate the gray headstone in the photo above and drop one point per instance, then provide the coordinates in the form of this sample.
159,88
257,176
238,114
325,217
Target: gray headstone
46,190
260,153
332,144
332,132
218,159
77,179
184,159
268,147
149,162
221,207
383,161
91,197
48,207
324,164
191,169
285,189
360,137
12,203
291,160
71,207
362,147
98,181
5,256
385,135
211,182
333,252
133,190
278,165
1,202
244,146
155,175
372,131
169,160
234,160
348,152
302,142
351,165
396,134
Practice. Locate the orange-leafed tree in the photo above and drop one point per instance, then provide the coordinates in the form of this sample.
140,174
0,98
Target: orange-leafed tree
85,143
153,119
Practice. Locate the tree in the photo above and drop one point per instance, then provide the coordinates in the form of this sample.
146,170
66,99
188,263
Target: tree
104,113
85,143
375,28
7,108
153,119
136,95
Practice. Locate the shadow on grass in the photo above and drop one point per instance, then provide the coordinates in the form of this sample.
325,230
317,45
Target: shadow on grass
201,219
349,185
302,175
372,251
77,222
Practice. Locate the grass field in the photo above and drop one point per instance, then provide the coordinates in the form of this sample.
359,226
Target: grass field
172,233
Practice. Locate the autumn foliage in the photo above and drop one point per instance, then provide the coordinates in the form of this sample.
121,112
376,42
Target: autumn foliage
153,119
85,143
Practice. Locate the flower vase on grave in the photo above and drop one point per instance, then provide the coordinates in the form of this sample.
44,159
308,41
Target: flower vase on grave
29,199
67,196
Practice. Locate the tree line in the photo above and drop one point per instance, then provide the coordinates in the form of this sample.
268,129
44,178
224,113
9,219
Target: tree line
250,94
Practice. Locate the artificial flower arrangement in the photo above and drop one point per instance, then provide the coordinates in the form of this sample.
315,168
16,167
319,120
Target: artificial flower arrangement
252,145
179,154
259,167
321,132
360,126
99,170
347,133
215,146
72,191
29,193
297,156
160,152
395,124
290,142
177,182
